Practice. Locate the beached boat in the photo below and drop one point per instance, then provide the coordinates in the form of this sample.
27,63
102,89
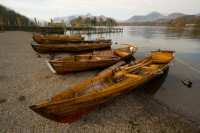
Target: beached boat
83,97
63,39
70,47
52,39
92,60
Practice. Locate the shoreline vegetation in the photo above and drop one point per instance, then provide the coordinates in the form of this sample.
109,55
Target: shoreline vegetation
12,21
89,22
9,17
191,22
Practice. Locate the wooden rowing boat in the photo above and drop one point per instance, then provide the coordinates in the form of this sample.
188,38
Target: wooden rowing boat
69,47
83,97
63,39
52,39
93,60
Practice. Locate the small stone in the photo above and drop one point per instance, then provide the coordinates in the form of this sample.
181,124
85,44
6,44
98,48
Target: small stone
84,119
2,101
51,56
187,83
38,55
47,77
22,98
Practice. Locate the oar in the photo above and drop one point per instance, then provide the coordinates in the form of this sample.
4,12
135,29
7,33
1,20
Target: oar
131,68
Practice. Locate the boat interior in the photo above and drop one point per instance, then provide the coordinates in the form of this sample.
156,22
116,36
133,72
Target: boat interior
96,56
134,72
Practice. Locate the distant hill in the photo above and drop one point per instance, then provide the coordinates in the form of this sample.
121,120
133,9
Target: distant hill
175,15
9,17
86,20
154,16
146,18
178,20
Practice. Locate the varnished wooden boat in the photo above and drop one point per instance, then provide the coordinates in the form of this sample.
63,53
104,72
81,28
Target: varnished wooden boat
83,97
93,60
63,39
52,39
69,47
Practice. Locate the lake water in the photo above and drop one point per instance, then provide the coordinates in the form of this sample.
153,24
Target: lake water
186,65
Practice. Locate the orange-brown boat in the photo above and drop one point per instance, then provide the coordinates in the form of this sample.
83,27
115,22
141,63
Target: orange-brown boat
85,96
70,47
63,39
93,60
53,39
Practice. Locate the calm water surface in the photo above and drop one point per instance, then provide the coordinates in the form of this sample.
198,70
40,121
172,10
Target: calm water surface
186,66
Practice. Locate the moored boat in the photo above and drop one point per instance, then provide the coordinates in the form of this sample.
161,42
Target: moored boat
63,39
70,47
52,39
92,60
85,96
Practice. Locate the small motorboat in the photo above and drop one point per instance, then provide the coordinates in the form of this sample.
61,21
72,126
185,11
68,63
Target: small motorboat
83,97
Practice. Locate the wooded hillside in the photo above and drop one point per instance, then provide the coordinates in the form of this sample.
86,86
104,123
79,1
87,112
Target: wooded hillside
81,22
183,21
9,17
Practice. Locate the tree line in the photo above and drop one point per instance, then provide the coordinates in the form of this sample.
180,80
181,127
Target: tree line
188,20
94,21
9,17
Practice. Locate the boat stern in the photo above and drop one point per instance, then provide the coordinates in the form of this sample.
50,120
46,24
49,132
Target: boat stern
162,56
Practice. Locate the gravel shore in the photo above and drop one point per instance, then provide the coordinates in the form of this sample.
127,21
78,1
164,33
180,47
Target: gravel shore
25,80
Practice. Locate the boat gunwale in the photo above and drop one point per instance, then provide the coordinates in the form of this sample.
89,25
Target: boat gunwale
87,61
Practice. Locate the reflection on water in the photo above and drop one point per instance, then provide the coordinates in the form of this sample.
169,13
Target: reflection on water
181,32
175,32
149,38
186,43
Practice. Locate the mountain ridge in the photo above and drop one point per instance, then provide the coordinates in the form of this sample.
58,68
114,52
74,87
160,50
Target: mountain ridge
154,16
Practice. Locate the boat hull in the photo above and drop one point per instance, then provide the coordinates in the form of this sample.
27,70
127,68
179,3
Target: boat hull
52,48
53,39
62,39
84,108
96,60
66,67
68,117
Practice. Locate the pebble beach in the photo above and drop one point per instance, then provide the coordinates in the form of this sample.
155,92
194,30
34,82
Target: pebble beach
25,79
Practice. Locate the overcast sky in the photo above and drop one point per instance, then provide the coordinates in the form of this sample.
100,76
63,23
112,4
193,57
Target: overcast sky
118,9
